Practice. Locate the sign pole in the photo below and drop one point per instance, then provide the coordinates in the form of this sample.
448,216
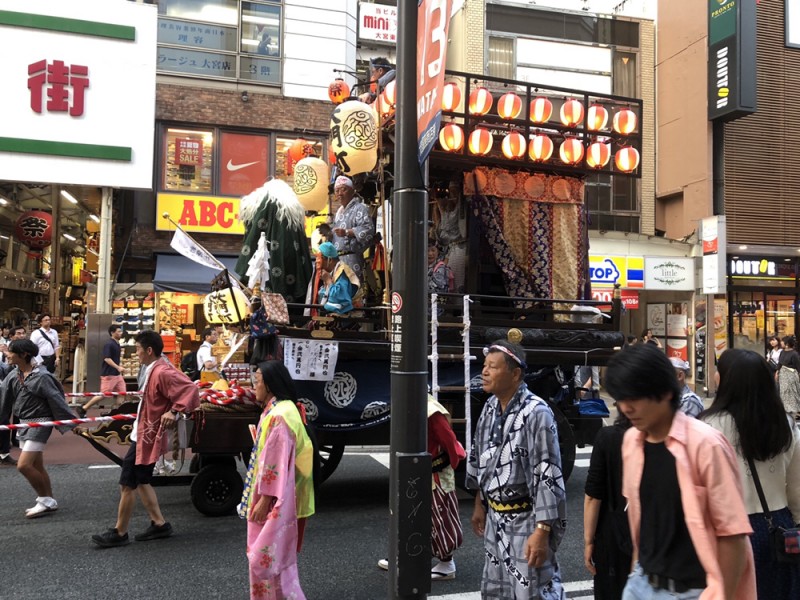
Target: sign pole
410,464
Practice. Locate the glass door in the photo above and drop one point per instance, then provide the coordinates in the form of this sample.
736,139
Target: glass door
748,321
780,315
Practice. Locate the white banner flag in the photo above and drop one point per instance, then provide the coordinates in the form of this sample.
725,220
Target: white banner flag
186,246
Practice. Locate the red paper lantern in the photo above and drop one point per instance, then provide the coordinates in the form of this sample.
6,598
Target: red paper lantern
331,155
598,155
627,159
480,141
540,148
597,117
509,106
625,121
299,149
451,137
338,91
480,101
571,151
541,110
571,113
34,228
513,145
451,96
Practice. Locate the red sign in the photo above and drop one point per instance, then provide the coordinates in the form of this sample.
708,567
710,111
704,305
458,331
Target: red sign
243,163
60,78
189,151
630,299
433,23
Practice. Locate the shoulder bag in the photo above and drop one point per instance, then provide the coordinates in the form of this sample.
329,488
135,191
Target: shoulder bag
785,542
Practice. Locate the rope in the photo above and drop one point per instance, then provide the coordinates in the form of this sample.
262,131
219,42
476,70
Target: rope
67,422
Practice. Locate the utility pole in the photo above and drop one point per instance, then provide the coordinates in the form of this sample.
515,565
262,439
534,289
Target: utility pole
410,485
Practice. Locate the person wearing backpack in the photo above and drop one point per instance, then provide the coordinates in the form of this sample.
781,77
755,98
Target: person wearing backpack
440,277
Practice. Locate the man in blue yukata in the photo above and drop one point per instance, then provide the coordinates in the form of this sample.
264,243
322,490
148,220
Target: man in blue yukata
338,283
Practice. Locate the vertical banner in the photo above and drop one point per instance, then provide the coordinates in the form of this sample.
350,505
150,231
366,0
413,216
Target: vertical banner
720,326
433,24
714,237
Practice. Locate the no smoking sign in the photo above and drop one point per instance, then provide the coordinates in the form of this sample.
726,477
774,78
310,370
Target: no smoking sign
397,302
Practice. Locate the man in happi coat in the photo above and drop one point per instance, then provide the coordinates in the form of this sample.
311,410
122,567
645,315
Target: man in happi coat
515,465
353,228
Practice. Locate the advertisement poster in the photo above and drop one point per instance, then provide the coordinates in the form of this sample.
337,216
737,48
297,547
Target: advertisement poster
657,319
243,164
720,326
678,349
700,344
677,319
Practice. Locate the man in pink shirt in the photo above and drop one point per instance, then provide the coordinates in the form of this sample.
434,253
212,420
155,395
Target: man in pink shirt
680,477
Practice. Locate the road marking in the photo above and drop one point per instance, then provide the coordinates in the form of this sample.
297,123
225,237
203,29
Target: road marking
104,466
569,587
582,462
383,458
584,450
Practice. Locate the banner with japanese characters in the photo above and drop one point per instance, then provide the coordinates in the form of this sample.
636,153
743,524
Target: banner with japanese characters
310,360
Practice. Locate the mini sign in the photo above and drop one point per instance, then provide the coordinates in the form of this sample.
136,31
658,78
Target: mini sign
377,22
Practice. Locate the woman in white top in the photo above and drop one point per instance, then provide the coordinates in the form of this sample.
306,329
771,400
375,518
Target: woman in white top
749,413
774,352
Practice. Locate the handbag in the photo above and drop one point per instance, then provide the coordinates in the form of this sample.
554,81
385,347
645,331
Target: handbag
785,542
275,308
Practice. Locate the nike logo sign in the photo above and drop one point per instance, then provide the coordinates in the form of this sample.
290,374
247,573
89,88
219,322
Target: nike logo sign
233,167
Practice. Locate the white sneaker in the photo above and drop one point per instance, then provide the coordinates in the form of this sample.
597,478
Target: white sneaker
383,564
444,570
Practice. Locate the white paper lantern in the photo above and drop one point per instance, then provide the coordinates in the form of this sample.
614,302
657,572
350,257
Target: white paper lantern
311,183
354,137
221,306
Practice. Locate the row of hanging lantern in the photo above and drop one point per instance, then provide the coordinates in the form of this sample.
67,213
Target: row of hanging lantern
539,148
509,106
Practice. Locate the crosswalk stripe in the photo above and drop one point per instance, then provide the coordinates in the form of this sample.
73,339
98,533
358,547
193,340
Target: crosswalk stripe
383,458
569,587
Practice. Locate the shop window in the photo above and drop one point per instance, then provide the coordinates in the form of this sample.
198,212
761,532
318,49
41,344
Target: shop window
613,203
625,74
284,163
188,161
501,57
209,38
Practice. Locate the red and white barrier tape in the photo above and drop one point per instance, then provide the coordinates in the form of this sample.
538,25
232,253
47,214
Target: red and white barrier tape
68,422
104,394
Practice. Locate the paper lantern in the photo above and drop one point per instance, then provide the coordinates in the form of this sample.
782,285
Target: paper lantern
598,155
541,110
571,113
625,121
596,117
480,101
541,148
451,137
338,91
222,306
509,106
354,137
571,151
480,141
627,159
311,176
451,96
34,228
299,149
513,145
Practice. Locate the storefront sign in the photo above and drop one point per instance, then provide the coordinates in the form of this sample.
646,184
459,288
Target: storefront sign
731,59
243,163
630,299
669,273
714,236
79,92
751,267
626,271
207,214
377,22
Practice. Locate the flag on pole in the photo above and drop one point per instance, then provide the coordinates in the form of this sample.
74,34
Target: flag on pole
189,248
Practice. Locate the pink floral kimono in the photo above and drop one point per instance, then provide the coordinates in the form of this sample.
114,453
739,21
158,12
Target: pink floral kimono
281,466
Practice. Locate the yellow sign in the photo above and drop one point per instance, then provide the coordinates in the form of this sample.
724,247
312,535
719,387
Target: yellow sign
77,267
204,214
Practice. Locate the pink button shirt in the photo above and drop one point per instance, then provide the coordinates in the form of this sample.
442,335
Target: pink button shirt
711,493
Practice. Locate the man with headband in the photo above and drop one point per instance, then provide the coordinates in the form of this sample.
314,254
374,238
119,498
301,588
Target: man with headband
353,228
515,465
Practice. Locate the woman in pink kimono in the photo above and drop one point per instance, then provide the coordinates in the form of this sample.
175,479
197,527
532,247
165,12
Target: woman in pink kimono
279,489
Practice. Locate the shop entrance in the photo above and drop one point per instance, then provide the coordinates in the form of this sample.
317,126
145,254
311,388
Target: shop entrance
756,315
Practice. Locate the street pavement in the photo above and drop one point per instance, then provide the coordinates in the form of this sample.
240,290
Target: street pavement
54,558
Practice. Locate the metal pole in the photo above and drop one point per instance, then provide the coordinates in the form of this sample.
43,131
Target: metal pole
410,480
104,256
55,253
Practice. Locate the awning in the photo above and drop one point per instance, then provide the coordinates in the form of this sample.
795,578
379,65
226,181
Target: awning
176,273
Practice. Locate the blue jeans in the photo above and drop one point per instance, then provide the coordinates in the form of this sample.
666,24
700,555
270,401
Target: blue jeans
638,588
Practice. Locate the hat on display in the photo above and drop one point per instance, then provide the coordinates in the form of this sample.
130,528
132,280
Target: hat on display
328,250
342,180
679,363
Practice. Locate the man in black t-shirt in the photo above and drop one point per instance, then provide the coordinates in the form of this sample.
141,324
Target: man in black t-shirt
688,521
112,378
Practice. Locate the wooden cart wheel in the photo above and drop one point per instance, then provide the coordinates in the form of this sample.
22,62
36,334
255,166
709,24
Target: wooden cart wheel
216,490
329,456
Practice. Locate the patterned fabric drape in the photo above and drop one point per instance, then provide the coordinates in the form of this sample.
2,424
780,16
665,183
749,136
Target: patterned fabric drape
534,225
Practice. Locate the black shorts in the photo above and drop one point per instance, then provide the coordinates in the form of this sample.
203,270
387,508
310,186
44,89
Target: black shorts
132,474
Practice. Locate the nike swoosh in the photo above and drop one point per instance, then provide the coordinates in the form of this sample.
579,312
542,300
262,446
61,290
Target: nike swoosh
233,167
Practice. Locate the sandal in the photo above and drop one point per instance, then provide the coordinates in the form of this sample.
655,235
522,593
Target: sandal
442,576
